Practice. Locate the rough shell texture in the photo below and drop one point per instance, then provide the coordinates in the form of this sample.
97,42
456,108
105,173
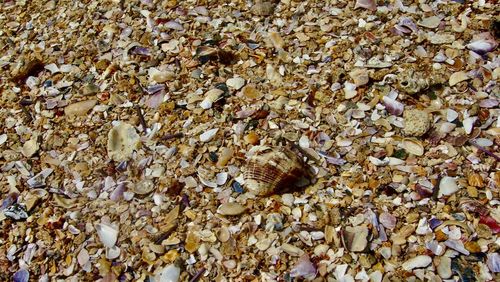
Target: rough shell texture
273,170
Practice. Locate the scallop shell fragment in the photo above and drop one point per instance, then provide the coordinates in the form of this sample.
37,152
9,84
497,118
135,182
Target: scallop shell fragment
272,170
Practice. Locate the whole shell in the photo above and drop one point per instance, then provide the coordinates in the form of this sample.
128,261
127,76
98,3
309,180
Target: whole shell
272,170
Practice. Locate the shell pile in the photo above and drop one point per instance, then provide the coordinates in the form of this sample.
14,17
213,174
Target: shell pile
273,170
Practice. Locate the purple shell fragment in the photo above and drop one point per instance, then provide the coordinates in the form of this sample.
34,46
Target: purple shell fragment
21,276
493,262
304,268
139,50
434,223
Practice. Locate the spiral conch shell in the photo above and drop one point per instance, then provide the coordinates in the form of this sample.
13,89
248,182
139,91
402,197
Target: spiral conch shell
273,170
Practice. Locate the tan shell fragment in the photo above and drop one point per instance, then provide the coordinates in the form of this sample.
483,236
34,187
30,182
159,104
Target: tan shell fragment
122,141
272,170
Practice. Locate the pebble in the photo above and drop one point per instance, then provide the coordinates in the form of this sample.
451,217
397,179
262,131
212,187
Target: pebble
79,108
416,262
235,82
231,209
416,122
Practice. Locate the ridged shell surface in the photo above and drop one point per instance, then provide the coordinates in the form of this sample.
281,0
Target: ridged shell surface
273,170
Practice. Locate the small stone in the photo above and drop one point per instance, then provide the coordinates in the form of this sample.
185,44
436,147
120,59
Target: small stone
231,209
79,108
250,92
356,238
235,82
443,267
416,262
416,122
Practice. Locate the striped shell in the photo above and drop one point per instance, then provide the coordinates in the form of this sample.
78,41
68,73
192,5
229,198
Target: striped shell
272,170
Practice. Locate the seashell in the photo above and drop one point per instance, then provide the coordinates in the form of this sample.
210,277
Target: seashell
170,273
30,147
210,97
447,186
208,135
468,124
414,147
430,22
107,234
366,4
272,170
122,141
458,77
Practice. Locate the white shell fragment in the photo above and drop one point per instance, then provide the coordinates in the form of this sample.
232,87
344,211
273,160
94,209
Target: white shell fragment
122,141
210,97
30,147
208,135
416,262
170,273
458,77
231,209
107,233
447,186
236,83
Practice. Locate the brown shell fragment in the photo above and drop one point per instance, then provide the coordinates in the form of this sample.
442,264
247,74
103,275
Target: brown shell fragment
274,170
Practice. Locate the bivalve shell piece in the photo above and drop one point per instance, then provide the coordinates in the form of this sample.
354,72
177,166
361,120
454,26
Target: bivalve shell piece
272,170
122,141
107,233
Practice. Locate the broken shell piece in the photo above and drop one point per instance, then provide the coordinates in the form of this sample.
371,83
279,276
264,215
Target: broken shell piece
271,170
80,108
107,234
451,115
122,141
208,135
350,90
231,209
430,22
359,76
447,186
469,124
210,97
30,147
170,273
39,179
113,252
414,147
143,187
356,238
366,4
417,262
392,106
235,82
458,77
